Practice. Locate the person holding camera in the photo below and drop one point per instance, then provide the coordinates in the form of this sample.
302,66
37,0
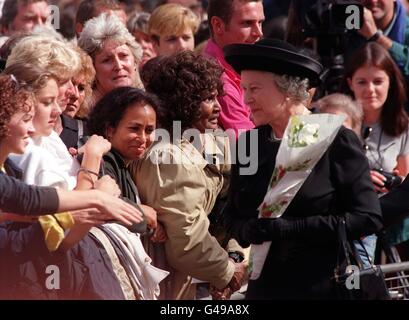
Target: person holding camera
386,23
373,79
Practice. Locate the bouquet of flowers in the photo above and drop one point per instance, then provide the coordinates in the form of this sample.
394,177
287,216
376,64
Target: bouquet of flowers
305,140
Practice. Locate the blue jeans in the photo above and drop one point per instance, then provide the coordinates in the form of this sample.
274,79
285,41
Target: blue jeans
370,245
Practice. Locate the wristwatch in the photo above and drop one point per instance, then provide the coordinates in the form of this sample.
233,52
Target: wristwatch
236,256
375,36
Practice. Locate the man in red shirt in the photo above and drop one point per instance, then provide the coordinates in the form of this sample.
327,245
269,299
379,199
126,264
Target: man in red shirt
233,21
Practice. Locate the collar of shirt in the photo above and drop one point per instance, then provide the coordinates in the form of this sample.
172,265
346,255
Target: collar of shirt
213,50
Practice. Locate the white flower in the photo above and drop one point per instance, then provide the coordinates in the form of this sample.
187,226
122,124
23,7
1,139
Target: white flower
308,134
301,134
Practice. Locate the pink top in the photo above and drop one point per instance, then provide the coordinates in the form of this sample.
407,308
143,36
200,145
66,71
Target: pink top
235,114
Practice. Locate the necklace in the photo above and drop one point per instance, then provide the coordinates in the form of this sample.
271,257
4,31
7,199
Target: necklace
377,156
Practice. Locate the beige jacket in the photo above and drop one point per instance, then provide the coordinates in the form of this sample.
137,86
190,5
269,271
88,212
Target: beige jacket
176,180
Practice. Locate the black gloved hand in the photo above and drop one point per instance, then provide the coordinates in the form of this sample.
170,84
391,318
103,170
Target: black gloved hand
256,231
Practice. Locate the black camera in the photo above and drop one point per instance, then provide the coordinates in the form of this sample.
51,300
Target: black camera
329,24
328,17
391,181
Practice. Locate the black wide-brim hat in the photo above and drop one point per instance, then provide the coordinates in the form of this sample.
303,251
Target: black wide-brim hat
276,56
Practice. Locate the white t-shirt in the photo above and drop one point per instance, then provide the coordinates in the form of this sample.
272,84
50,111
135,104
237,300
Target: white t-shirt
47,162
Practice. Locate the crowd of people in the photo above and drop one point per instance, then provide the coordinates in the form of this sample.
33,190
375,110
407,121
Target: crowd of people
126,126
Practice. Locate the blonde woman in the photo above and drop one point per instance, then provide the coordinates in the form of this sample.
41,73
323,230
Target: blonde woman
79,104
74,119
47,66
51,55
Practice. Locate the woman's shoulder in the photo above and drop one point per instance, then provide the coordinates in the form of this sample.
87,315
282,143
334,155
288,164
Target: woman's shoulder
113,157
56,146
346,144
260,131
346,136
180,152
34,155
261,134
113,164
12,169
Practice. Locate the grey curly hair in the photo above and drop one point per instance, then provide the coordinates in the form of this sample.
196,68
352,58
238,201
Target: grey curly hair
295,88
106,27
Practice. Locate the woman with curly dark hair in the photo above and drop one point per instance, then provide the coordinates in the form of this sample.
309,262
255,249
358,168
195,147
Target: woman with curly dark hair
182,177
184,83
16,118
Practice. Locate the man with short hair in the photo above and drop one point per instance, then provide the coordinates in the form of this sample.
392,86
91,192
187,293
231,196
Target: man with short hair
172,28
233,21
89,9
386,23
23,15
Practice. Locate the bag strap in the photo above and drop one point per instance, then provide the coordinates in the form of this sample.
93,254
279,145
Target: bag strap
351,251
342,236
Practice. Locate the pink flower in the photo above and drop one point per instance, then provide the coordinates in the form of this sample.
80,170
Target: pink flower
265,211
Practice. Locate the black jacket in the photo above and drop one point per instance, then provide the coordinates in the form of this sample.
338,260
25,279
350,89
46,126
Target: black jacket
304,246
114,166
70,134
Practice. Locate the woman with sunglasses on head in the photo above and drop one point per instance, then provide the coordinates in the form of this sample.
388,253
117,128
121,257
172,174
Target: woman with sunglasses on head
374,80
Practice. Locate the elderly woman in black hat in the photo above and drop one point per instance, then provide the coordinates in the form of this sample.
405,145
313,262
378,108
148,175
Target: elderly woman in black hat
275,78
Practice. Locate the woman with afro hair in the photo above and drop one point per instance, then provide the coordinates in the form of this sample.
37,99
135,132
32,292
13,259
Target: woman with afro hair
182,176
